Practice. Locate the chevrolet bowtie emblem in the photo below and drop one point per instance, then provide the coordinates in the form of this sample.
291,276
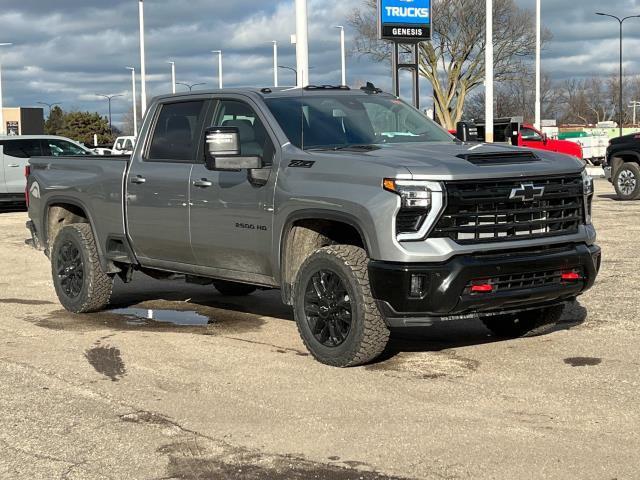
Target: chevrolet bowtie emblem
527,192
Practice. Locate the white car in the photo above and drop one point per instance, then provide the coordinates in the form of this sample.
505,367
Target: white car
123,146
15,152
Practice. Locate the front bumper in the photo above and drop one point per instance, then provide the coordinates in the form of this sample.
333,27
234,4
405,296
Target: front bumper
446,292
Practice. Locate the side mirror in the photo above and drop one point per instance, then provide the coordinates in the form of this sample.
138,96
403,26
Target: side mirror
545,138
222,150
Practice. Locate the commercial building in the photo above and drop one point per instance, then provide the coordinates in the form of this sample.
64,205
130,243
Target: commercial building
23,121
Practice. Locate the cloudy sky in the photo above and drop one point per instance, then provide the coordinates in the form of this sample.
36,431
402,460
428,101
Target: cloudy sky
69,50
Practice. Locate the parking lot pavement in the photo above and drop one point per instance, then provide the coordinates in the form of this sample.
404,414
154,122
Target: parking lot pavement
234,395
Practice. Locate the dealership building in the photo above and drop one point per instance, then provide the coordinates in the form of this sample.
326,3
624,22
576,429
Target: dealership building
23,121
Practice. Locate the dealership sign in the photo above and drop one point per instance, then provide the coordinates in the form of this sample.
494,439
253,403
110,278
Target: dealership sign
404,20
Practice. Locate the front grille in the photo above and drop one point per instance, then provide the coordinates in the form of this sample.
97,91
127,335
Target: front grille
482,211
520,281
410,220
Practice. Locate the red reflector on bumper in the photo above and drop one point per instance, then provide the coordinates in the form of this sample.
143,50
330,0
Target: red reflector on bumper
484,288
571,276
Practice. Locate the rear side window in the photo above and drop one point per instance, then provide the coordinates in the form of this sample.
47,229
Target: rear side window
177,132
60,148
22,148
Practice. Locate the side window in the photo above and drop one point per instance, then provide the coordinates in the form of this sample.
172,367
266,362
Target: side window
530,134
128,144
177,131
22,148
60,148
119,144
254,138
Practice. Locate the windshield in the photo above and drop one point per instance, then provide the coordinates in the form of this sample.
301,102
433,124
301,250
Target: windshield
341,121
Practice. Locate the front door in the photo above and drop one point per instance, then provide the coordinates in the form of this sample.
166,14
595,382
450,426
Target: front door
232,212
16,154
158,185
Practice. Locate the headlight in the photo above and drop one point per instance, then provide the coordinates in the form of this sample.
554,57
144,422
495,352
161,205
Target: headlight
588,190
414,194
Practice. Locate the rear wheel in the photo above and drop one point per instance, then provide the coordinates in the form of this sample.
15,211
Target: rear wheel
233,289
81,284
336,314
519,324
627,181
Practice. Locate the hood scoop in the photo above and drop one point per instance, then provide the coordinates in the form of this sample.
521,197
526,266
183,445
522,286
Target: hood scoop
499,158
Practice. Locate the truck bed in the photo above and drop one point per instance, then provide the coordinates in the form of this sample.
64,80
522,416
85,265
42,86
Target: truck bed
94,183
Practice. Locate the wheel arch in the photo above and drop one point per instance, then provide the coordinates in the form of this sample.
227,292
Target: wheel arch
622,157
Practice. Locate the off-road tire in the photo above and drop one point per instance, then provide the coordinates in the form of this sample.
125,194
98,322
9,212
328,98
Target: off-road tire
96,285
368,335
519,324
627,172
233,289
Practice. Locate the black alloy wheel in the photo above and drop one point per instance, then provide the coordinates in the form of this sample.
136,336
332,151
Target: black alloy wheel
69,267
327,308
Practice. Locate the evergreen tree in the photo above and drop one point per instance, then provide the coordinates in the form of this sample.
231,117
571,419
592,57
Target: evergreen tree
82,126
55,122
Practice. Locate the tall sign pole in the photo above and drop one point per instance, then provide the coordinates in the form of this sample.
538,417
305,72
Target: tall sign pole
538,113
302,43
405,23
275,63
135,101
143,62
3,127
488,107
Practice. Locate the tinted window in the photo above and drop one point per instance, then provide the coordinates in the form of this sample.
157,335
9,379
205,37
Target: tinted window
60,148
177,132
342,120
529,134
22,148
254,139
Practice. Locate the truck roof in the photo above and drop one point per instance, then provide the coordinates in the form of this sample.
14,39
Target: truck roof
279,92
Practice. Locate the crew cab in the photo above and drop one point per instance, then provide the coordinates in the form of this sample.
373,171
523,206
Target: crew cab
363,212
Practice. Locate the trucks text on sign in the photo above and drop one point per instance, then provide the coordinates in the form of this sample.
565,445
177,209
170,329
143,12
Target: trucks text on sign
405,20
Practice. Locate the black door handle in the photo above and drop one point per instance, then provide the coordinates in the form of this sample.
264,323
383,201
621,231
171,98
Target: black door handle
202,183
138,180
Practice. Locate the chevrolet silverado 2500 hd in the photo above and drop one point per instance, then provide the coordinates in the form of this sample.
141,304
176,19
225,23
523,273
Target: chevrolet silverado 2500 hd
363,212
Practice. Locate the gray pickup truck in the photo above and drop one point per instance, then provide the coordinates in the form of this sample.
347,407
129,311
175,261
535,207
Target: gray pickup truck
362,211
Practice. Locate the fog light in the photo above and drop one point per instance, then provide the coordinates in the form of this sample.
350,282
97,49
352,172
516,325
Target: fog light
418,286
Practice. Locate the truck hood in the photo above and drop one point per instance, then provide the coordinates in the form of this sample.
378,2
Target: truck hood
446,161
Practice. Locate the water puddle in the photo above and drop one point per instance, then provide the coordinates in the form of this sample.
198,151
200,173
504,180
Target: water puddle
142,316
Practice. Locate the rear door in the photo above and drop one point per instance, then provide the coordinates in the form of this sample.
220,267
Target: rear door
158,184
16,154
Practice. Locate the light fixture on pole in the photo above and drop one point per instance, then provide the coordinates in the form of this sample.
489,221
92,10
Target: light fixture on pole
135,103
219,52
343,55
275,63
302,43
190,85
292,69
143,61
3,130
109,98
621,21
538,106
488,107
173,76
50,105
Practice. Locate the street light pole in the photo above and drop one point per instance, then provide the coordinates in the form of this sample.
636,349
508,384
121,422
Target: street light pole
50,105
343,55
292,69
488,108
275,63
109,98
3,130
143,61
190,85
219,52
538,107
302,43
135,103
621,105
173,76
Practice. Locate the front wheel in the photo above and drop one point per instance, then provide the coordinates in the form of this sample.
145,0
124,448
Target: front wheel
627,181
519,324
336,314
81,284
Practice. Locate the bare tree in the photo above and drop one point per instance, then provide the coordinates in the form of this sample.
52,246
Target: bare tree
454,61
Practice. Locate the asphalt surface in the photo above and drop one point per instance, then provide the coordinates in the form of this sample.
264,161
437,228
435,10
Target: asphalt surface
233,394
